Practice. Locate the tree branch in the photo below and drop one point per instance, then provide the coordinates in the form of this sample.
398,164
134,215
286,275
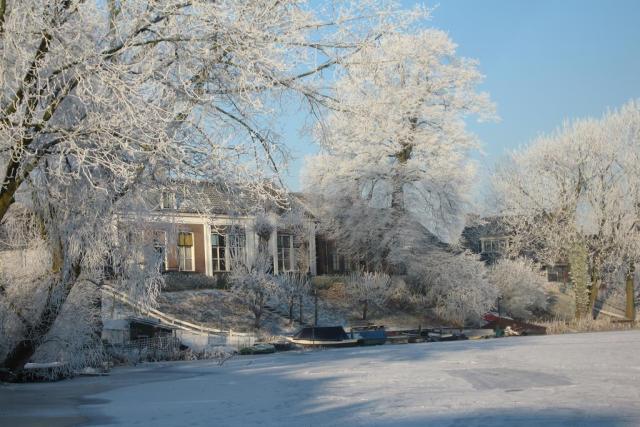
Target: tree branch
3,11
255,134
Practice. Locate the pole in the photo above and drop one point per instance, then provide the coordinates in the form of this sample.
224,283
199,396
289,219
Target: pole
315,308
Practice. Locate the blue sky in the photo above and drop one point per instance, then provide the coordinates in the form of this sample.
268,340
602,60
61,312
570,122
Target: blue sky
544,61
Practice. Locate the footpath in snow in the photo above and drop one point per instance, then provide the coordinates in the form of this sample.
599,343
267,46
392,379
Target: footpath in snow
563,380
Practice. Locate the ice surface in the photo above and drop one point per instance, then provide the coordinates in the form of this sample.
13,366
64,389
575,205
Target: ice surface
575,380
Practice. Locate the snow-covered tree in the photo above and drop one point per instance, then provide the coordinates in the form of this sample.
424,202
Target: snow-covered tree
574,196
395,157
102,101
521,287
292,287
368,290
253,284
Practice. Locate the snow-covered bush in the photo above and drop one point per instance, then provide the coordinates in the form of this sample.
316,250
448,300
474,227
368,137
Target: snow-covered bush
454,285
366,290
521,286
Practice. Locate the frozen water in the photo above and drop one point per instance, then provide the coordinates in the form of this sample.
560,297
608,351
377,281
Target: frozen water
576,380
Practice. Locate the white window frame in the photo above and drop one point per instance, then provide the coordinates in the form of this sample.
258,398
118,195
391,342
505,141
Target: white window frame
193,252
281,249
242,238
215,260
228,247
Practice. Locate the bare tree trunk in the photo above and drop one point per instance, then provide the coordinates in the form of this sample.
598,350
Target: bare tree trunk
630,306
257,315
99,325
9,187
365,308
594,288
291,302
3,10
300,319
596,282
315,307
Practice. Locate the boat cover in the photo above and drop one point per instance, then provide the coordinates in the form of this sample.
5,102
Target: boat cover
322,333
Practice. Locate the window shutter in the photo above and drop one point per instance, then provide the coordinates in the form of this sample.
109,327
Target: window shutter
185,239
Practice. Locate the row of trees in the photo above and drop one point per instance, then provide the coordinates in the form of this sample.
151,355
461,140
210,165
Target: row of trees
393,180
574,197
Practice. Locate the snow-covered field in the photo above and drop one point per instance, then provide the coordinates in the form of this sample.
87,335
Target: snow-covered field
577,380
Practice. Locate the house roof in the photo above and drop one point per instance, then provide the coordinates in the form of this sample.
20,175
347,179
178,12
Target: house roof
213,198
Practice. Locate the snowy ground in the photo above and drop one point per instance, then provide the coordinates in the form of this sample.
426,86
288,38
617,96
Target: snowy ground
575,380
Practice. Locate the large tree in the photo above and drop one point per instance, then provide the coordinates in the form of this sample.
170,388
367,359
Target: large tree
101,101
394,161
574,196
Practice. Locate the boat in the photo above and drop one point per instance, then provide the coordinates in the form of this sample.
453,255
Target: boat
403,336
323,336
445,334
369,335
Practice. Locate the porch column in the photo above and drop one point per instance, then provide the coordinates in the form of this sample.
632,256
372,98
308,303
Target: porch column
206,229
251,242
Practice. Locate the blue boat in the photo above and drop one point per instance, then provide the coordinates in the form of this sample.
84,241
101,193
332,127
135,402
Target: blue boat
369,335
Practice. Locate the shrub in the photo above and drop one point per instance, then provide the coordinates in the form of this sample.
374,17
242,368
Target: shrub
521,286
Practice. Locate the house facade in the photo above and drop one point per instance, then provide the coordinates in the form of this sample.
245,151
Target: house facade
207,237
208,245
489,239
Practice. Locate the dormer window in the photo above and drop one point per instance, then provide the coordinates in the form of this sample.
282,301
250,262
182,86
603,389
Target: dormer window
168,200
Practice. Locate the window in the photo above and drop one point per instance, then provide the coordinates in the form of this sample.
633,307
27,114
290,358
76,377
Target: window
185,251
285,252
237,245
335,261
168,200
227,247
160,248
494,245
558,273
218,252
